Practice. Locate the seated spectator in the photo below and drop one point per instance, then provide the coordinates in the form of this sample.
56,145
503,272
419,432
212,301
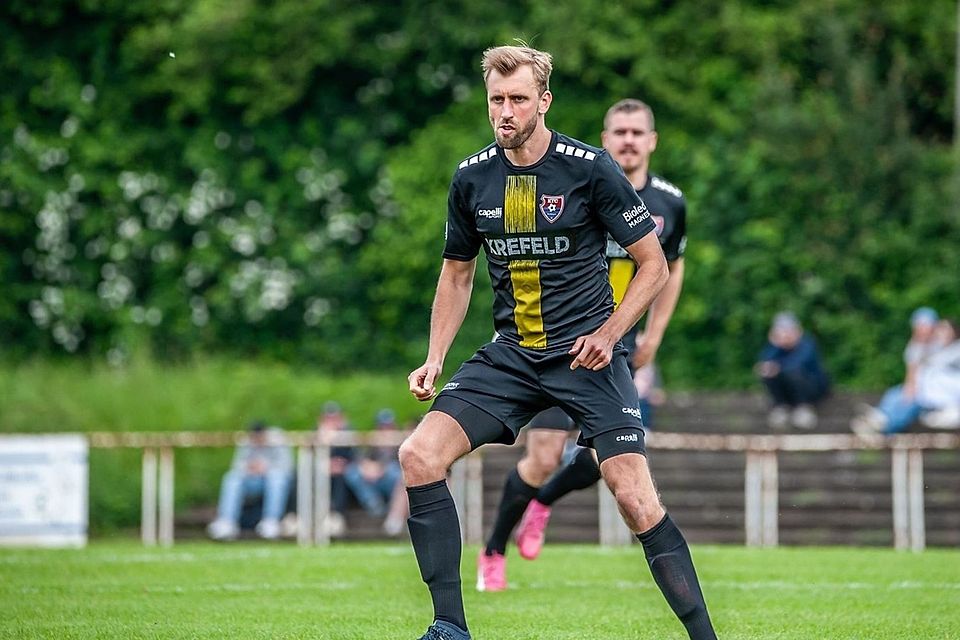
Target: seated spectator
332,420
932,382
262,467
790,368
375,479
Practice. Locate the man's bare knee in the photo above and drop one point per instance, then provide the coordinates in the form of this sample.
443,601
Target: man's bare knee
542,456
426,455
414,462
629,479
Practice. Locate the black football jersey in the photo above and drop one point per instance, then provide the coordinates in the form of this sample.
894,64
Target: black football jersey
543,228
668,210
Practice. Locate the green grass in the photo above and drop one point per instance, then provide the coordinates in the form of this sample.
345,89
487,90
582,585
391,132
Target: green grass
204,395
352,591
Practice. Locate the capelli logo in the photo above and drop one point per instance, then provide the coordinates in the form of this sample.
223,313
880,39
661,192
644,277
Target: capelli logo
450,386
632,411
628,437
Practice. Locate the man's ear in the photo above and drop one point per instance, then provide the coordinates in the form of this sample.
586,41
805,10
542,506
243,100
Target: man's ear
546,99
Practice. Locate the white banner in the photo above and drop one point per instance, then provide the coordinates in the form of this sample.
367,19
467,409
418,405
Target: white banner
43,490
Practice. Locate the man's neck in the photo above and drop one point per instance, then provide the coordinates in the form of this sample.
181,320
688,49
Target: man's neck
638,177
531,151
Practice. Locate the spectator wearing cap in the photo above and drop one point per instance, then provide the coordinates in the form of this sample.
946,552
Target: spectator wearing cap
927,370
262,467
791,370
375,479
330,421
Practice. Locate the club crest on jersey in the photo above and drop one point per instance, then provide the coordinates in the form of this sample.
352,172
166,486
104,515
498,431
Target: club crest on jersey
551,207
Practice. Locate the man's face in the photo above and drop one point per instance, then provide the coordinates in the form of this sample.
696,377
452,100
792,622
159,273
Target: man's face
785,337
630,139
514,106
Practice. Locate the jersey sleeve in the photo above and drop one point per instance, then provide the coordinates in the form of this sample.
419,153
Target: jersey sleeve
462,240
617,204
676,244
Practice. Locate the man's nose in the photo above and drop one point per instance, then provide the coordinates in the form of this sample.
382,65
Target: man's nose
507,110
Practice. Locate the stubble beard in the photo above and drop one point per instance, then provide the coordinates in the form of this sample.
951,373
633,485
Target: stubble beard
519,136
631,162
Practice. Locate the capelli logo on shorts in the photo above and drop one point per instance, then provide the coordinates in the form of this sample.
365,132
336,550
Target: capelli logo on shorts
633,412
628,437
450,386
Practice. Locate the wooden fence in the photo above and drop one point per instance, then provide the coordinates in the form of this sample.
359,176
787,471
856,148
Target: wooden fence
759,509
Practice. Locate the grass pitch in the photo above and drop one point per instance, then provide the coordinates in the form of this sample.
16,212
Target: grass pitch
352,592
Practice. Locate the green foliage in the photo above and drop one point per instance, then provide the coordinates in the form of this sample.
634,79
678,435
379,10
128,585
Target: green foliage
269,179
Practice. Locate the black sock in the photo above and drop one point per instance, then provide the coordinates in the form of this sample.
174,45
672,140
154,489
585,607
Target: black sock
672,568
435,534
517,494
582,472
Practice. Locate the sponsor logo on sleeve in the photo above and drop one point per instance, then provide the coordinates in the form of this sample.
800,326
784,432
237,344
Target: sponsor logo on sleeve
636,215
551,207
450,386
632,411
493,214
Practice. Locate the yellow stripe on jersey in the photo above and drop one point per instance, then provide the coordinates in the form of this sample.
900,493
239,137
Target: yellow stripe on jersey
622,271
520,216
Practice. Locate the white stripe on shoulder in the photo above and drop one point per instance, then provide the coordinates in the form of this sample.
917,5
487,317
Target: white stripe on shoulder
480,157
576,152
663,185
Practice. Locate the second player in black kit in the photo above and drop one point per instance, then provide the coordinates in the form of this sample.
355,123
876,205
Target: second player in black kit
531,488
540,205
668,210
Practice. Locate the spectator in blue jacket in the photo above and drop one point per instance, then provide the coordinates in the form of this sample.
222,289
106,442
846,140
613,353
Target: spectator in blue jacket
790,368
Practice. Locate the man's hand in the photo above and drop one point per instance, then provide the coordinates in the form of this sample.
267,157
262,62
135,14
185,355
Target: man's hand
371,470
421,381
338,464
593,352
646,351
767,369
257,467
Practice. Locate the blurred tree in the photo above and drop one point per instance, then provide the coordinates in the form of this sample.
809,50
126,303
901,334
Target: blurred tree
270,179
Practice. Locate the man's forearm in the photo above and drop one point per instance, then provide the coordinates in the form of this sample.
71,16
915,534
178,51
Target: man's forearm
647,283
662,307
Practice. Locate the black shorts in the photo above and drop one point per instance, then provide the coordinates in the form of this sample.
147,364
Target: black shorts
553,418
513,384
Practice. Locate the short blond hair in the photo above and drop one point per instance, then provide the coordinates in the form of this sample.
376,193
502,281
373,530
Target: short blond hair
507,59
629,105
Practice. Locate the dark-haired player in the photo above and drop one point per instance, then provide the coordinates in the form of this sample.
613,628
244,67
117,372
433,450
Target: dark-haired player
630,137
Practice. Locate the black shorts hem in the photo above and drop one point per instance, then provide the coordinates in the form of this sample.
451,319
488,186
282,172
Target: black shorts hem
480,426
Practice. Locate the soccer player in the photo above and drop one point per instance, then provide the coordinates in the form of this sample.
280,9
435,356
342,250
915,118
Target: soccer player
630,137
540,204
